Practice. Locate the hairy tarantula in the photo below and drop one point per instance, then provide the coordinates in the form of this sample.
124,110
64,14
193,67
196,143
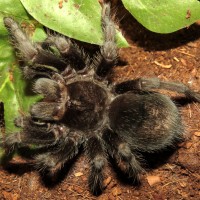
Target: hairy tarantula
81,108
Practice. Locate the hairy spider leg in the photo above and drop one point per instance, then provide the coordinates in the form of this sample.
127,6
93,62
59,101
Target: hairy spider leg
70,52
123,155
33,133
108,53
95,150
145,84
65,149
55,94
38,60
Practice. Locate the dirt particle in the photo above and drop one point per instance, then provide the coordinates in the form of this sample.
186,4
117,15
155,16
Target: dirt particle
107,181
60,4
10,196
103,197
188,145
197,133
192,44
189,161
183,61
152,180
111,197
163,65
111,185
188,14
176,59
29,28
76,5
183,184
116,191
158,197
78,174
78,189
64,187
11,78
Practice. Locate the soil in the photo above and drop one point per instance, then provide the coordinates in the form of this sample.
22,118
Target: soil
170,175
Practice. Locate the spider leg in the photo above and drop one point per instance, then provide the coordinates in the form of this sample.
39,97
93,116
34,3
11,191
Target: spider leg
70,52
50,89
30,52
51,111
65,149
109,54
55,94
36,133
95,151
155,83
124,157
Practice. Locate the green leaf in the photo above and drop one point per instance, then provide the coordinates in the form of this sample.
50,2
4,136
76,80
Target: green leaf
164,16
77,19
13,88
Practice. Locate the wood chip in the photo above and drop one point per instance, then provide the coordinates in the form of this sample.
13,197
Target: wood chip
188,145
116,191
6,195
111,197
107,181
78,189
183,184
183,61
78,174
176,59
197,134
152,180
192,44
111,185
103,197
185,53
163,65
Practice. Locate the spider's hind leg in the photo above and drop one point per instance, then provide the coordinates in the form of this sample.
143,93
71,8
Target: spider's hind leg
146,84
125,159
109,53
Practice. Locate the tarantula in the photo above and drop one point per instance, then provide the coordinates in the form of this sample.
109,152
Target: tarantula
80,107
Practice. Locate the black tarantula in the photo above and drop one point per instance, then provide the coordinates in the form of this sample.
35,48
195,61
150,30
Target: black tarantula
81,108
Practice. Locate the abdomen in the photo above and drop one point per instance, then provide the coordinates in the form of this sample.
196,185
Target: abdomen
147,122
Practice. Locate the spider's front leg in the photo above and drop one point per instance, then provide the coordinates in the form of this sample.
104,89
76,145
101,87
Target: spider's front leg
55,94
70,52
38,60
109,54
146,84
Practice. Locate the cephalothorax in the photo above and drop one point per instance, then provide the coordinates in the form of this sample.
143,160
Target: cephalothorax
80,107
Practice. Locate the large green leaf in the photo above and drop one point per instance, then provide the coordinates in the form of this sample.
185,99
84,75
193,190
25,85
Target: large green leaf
77,19
13,88
164,16
12,8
